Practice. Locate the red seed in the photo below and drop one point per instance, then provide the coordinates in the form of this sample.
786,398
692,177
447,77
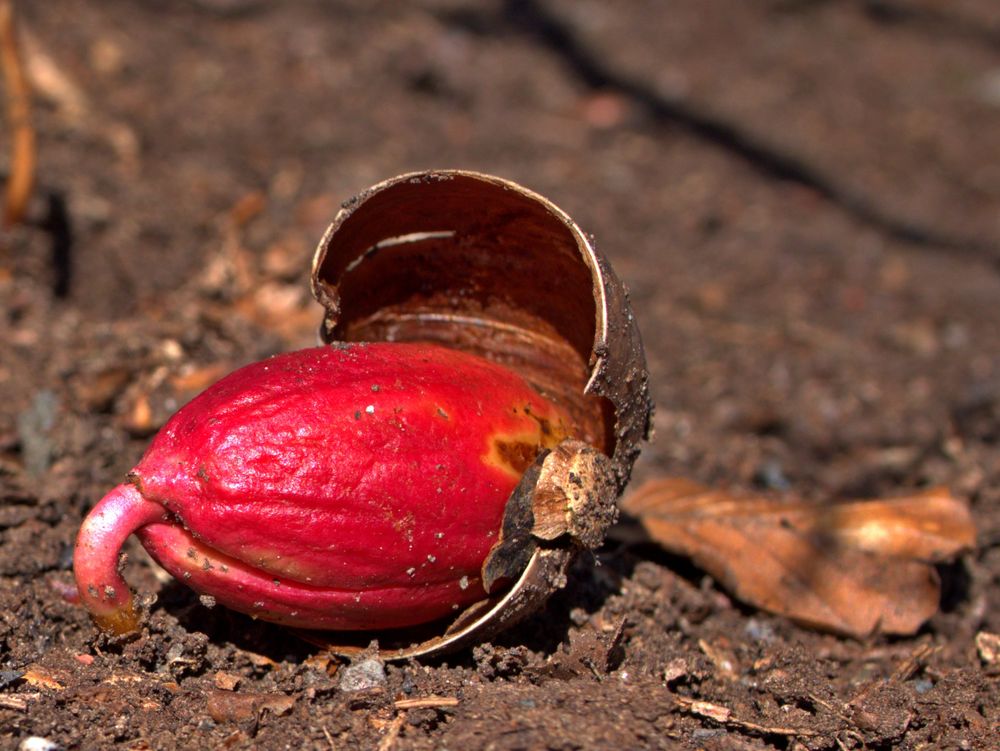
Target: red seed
343,487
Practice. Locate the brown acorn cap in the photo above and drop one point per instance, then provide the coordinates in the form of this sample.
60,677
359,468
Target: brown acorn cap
482,264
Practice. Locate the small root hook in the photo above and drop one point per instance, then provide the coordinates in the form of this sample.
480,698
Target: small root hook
103,591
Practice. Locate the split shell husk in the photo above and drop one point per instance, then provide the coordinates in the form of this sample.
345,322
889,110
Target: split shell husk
479,263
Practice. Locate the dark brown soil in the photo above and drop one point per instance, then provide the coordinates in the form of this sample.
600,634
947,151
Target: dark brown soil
804,198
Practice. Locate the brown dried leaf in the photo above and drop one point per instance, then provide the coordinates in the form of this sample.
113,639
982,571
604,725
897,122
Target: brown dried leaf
40,677
852,568
193,380
258,660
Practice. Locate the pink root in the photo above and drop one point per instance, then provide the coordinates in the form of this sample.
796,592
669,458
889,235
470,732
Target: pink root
103,591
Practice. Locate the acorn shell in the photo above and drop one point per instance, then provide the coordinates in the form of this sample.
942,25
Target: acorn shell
481,264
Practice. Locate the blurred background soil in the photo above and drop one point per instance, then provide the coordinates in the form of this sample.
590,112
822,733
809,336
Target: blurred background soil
803,197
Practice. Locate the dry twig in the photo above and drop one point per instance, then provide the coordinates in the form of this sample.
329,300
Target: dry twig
427,702
389,740
724,716
18,703
21,179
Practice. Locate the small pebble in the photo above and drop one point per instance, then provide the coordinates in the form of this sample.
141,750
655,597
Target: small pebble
988,90
37,743
703,733
759,630
362,676
771,476
66,557
34,428
9,676
408,685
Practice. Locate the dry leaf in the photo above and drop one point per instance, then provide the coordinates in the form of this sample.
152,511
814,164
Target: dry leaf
258,660
852,568
40,677
193,380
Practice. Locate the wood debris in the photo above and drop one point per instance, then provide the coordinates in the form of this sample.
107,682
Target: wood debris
724,716
988,647
389,739
721,657
426,702
228,706
21,179
226,681
18,703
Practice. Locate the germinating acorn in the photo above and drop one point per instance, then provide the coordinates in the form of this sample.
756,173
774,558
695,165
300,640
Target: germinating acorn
347,487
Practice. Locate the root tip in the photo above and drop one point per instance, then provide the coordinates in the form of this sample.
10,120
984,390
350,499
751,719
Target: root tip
102,589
